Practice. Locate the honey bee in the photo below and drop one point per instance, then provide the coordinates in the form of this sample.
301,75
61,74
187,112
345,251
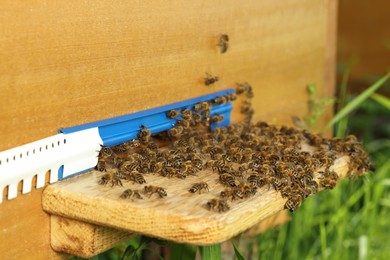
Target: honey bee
183,123
101,165
220,100
189,168
144,134
217,205
134,143
231,97
112,177
351,139
181,174
209,79
129,166
286,192
120,148
227,180
205,106
197,118
327,183
153,146
136,177
198,187
198,107
169,172
156,167
244,88
293,202
175,131
216,119
253,179
172,113
186,114
246,107
105,152
247,190
223,42
129,194
232,194
154,189
198,163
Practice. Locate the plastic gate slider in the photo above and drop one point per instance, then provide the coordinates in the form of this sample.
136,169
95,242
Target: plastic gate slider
74,150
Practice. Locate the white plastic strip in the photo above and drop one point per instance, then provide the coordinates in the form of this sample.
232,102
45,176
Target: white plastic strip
74,152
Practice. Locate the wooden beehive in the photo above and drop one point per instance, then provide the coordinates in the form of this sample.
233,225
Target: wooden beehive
68,63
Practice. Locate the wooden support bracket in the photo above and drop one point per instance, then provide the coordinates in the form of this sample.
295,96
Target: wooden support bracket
84,239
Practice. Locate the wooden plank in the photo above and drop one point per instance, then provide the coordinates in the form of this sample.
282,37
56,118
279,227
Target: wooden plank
70,63
83,239
180,217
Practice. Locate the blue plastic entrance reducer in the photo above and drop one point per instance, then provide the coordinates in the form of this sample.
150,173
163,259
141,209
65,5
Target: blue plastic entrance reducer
120,129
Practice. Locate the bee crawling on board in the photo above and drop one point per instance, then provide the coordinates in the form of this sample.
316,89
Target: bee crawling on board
175,131
172,113
223,42
144,134
232,193
186,114
199,187
227,180
130,194
136,177
155,189
112,177
209,79
217,205
220,100
294,202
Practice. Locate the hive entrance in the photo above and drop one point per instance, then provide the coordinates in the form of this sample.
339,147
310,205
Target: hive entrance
252,171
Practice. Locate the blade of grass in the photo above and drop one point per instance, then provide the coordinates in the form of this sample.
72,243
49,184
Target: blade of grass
280,243
211,252
384,101
341,128
353,104
182,252
237,252
323,240
343,89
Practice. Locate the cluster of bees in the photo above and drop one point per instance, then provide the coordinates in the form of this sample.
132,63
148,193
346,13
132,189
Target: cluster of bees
244,157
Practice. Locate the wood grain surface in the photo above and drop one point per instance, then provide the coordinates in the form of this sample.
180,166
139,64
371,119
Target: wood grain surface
69,63
181,216
83,239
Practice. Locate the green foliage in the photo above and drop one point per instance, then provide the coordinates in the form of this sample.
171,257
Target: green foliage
316,106
237,252
212,252
384,101
353,104
182,252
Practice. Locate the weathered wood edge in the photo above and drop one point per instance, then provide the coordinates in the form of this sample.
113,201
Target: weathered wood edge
181,229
